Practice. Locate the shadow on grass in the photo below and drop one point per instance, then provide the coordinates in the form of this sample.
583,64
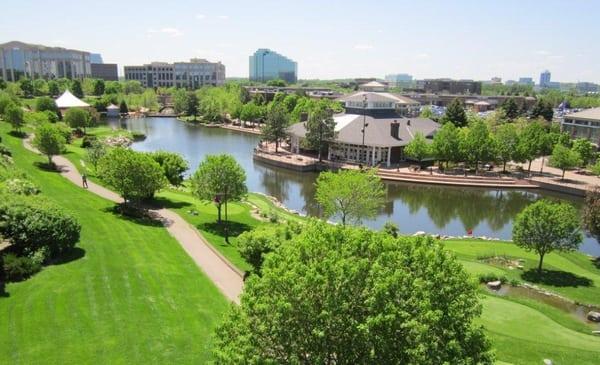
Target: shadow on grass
235,228
160,202
3,292
134,214
555,278
46,166
18,134
73,254
596,262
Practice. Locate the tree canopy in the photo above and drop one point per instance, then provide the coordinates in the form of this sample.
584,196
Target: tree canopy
351,195
173,165
418,149
77,118
219,178
14,115
564,158
134,175
320,128
49,140
591,212
277,121
354,296
545,226
455,114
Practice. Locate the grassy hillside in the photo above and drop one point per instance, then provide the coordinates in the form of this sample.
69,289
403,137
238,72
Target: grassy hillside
129,295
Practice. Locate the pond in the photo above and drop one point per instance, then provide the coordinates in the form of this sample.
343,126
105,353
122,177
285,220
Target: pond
413,207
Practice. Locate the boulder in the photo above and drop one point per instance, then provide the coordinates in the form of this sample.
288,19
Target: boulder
419,233
593,316
494,285
548,362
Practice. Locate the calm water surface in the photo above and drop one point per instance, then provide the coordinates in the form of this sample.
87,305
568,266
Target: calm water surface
433,209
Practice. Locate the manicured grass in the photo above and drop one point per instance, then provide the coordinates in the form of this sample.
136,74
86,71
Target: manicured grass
522,330
572,275
523,335
133,297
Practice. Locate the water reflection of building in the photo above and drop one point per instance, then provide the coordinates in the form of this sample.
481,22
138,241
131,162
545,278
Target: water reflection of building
374,129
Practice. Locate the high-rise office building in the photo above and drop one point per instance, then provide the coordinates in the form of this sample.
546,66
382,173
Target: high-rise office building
399,79
18,59
526,81
545,78
268,65
194,74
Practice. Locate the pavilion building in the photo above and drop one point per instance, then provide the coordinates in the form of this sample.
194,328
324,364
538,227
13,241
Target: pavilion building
373,130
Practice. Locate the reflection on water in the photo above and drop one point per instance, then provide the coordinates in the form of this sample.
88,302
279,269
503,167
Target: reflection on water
433,209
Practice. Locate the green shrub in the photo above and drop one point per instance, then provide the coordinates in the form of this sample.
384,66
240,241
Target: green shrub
138,136
88,140
5,151
18,268
33,223
273,216
65,131
21,187
486,278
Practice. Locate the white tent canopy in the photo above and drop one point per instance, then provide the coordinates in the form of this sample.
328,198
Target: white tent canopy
112,107
68,100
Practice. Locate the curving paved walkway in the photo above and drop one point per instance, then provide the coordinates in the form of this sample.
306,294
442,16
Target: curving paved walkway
225,276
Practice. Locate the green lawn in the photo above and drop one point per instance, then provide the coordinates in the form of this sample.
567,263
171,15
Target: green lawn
572,275
133,297
522,330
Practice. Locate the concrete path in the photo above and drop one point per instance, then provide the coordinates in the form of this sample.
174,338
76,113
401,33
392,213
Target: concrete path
225,276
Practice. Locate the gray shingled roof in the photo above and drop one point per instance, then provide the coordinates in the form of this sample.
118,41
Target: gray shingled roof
378,97
378,131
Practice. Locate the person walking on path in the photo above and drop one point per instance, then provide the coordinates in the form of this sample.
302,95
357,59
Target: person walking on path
84,180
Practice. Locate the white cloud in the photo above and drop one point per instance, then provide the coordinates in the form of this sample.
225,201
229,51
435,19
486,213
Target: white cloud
422,56
173,32
200,16
363,47
223,17
542,52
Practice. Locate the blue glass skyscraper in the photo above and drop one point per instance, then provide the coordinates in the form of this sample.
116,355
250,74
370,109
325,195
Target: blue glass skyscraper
268,65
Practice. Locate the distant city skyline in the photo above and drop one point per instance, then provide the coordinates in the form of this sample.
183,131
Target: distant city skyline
433,39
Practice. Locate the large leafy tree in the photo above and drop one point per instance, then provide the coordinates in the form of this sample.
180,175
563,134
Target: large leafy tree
276,124
179,98
507,141
591,212
545,226
585,149
134,175
455,114
418,149
564,158
77,118
26,87
95,152
477,144
531,141
14,115
173,165
543,108
191,106
335,295
49,140
221,179
46,104
320,128
446,143
352,195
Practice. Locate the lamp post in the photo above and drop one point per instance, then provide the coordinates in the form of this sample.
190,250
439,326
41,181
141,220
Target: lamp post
365,125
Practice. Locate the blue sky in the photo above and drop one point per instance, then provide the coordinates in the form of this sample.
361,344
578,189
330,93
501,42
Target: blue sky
329,39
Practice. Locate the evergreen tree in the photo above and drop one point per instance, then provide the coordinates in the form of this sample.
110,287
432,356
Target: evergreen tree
511,109
277,122
76,87
320,128
99,87
123,109
455,114
542,108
